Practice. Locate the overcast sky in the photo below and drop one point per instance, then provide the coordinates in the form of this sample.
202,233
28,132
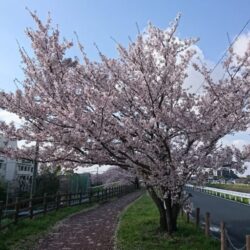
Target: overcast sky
215,22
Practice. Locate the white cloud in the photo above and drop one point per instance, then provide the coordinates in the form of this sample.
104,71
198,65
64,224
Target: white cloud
195,80
236,140
242,44
92,169
9,117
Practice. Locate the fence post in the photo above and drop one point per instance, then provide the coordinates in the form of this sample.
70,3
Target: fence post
58,200
207,224
45,204
197,217
223,241
98,195
31,206
247,242
90,195
16,210
102,194
1,211
188,217
182,212
69,199
80,199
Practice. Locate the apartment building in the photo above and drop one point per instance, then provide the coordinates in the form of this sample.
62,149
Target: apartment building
15,170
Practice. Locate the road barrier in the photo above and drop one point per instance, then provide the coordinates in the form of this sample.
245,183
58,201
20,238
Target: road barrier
227,194
28,208
226,242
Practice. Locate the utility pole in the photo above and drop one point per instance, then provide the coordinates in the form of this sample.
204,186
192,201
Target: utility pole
97,175
7,197
35,167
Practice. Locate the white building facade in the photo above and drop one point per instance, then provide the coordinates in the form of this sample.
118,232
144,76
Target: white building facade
15,170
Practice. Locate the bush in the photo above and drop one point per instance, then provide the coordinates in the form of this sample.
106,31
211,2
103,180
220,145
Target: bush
2,191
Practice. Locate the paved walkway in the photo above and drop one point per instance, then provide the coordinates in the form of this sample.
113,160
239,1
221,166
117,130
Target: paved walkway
91,230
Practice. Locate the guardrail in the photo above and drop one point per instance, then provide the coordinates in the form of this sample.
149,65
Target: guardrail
227,194
29,208
225,240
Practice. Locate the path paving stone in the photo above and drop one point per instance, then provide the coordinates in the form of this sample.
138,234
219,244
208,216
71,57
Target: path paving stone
90,230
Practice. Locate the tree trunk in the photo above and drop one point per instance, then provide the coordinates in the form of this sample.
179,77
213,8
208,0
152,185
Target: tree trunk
168,213
172,211
137,184
161,209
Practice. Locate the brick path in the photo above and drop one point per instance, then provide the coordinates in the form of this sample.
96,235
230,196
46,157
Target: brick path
91,230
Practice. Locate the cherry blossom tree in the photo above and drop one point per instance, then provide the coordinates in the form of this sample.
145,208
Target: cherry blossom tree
115,175
132,112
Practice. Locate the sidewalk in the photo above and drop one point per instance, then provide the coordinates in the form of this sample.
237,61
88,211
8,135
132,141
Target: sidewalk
91,230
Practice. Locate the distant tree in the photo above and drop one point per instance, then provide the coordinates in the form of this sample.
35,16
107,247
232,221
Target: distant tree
3,190
96,179
133,112
116,174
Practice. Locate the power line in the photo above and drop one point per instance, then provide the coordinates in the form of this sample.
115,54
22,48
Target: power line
225,53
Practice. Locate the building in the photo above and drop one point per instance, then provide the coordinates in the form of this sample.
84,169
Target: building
15,170
226,172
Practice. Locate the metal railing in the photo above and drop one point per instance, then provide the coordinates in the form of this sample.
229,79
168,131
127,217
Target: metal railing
228,194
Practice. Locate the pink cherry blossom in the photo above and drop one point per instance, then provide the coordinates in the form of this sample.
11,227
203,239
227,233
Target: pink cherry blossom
133,112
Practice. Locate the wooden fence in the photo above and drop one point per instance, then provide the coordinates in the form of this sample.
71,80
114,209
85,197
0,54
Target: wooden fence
225,240
28,208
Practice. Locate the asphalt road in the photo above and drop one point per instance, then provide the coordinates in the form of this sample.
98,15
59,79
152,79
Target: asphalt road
235,215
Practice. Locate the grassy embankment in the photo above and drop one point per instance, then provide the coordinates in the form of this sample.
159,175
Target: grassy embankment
27,232
138,231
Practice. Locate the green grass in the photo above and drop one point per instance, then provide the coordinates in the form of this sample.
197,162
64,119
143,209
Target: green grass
138,231
23,235
233,187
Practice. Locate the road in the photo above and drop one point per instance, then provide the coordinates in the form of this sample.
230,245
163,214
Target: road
235,215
